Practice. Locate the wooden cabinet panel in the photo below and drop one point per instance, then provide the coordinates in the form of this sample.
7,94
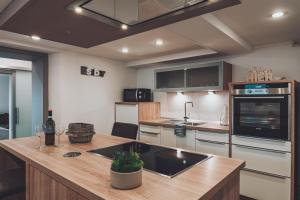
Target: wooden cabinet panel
43,187
149,111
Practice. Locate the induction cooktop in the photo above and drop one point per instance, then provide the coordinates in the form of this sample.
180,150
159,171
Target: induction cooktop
165,161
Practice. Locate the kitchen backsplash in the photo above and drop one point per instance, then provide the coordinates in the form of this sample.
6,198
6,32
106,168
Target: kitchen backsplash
207,107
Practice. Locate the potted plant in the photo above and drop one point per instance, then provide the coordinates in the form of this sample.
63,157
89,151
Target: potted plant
126,170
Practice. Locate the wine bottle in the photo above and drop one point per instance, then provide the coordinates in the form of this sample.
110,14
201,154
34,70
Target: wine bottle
49,130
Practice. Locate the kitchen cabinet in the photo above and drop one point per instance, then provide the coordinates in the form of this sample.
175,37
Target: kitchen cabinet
264,160
194,76
260,186
129,112
150,134
187,142
170,79
167,137
212,143
268,171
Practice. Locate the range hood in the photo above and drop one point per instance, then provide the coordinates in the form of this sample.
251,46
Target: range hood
137,12
132,12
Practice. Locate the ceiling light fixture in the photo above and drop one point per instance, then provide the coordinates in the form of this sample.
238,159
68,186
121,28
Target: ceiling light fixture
124,27
78,10
125,50
278,14
159,42
35,37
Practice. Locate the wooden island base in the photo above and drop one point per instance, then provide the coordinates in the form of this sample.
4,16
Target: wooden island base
50,176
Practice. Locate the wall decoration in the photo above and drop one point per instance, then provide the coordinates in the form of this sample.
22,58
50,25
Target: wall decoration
91,71
259,74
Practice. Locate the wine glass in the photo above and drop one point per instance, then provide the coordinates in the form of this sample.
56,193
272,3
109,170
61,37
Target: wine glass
58,133
38,132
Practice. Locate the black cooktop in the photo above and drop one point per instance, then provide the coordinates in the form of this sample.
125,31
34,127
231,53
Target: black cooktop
163,160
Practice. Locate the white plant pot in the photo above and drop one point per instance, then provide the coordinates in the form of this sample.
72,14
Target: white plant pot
125,181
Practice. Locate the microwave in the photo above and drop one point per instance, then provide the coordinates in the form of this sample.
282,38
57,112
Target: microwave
137,95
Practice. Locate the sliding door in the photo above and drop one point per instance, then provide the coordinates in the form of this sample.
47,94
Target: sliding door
23,108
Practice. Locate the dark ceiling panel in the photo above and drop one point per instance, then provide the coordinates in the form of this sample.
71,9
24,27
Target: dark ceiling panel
52,21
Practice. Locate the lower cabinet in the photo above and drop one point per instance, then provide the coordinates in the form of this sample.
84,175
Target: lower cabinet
149,137
267,175
187,142
264,160
264,187
212,143
167,137
212,147
150,134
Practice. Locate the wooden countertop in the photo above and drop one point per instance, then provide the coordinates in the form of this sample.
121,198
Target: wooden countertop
89,174
207,126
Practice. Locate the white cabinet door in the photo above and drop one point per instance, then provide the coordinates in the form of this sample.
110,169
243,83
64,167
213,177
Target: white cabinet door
187,142
264,187
168,137
269,161
127,113
212,147
150,137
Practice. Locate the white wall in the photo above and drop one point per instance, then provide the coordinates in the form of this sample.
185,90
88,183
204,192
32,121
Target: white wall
15,64
77,98
4,93
284,61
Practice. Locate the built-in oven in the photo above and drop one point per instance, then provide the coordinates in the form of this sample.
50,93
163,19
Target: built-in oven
262,110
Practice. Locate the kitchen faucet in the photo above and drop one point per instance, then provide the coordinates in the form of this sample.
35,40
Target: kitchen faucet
187,102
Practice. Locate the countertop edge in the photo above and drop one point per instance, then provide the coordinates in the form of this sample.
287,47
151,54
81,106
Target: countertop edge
199,128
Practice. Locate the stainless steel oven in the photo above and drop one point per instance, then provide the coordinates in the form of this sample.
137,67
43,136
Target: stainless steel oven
262,110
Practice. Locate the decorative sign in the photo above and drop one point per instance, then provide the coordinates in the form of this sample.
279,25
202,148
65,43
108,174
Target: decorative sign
259,74
91,71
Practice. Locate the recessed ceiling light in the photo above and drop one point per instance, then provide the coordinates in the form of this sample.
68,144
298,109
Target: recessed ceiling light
35,37
159,42
125,50
78,10
278,14
124,27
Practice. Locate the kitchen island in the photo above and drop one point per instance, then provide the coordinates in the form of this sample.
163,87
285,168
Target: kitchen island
49,175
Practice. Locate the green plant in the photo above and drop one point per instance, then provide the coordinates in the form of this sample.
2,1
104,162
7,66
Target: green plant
126,162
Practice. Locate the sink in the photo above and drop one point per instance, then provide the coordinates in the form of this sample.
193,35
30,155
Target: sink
178,121
174,121
193,123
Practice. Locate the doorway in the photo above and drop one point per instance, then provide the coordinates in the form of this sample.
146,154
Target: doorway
5,100
27,91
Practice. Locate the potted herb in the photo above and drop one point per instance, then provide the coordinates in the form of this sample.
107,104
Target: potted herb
126,170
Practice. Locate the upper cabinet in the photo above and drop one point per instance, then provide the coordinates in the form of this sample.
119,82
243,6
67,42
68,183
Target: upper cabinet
194,77
170,79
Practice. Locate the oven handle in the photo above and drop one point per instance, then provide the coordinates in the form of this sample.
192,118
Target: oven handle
276,97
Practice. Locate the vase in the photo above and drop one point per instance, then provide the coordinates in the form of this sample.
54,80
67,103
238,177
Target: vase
125,181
